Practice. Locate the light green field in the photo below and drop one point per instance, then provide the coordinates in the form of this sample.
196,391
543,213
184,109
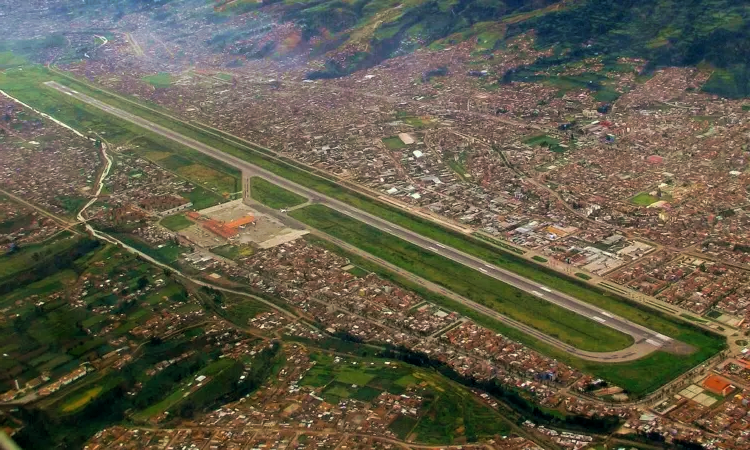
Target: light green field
177,222
159,80
644,199
272,195
79,401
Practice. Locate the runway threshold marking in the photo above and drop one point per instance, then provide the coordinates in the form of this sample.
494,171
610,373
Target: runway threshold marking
664,338
599,319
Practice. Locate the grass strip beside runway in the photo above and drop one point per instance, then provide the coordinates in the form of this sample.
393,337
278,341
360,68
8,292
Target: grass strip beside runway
555,321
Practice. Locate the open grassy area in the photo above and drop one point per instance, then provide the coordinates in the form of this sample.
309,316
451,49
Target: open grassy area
184,391
644,199
449,413
10,59
393,143
177,222
80,400
553,320
165,253
159,80
28,256
541,139
273,196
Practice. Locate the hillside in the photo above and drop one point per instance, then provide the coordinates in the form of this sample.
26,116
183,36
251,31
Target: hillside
338,37
689,33
361,33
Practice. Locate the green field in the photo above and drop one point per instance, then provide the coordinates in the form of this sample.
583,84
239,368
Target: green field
159,80
177,222
644,199
80,400
244,309
13,265
10,59
449,413
394,143
166,253
542,140
272,195
560,323
358,272
183,391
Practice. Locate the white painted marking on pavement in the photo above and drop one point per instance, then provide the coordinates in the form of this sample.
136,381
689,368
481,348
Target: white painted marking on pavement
664,338
599,319
545,288
606,314
654,343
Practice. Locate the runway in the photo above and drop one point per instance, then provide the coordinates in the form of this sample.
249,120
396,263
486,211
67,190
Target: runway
646,340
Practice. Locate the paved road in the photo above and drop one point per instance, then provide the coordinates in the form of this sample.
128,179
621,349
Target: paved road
644,338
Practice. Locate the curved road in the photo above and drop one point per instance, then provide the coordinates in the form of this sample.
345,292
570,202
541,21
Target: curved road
646,340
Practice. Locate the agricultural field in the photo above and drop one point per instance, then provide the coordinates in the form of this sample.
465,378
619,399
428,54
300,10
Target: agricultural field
50,335
80,400
555,321
272,195
449,413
